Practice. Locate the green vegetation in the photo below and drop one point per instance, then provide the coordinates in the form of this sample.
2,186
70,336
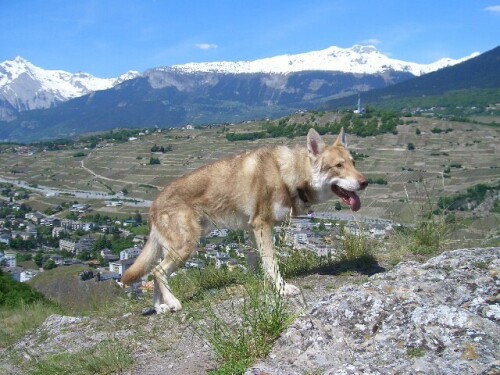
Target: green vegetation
14,294
21,309
377,181
16,321
472,198
415,352
108,357
153,161
241,333
161,149
370,123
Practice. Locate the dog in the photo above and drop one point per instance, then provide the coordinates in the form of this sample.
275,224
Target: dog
254,191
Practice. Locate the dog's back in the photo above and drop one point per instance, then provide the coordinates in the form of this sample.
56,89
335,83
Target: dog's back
253,190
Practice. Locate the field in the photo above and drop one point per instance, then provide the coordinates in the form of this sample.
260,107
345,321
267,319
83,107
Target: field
441,164
406,184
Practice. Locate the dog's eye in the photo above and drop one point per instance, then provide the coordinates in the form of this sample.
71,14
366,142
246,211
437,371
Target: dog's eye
339,165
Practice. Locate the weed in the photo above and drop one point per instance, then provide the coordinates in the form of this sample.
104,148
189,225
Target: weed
246,329
192,283
105,358
355,250
15,322
415,352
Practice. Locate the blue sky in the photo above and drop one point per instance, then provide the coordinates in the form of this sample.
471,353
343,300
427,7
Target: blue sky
109,37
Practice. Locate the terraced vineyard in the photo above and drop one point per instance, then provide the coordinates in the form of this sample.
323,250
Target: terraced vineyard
442,163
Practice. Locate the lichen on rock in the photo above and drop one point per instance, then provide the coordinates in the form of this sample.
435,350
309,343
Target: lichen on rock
439,317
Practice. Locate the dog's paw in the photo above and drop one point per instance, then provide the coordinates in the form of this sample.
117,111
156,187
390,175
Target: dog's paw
172,306
290,290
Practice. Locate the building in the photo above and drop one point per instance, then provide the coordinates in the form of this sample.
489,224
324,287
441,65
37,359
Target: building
130,253
5,237
107,255
68,245
195,263
120,266
222,260
84,245
57,231
51,221
9,259
27,275
80,208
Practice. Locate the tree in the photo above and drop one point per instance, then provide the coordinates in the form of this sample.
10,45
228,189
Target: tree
38,258
49,264
411,146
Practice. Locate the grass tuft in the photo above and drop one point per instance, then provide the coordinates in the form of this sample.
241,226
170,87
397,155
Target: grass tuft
16,321
245,329
108,357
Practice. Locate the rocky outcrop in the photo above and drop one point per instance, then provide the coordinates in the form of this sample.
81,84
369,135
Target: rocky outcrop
440,317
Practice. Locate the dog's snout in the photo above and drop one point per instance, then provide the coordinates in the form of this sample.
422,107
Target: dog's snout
363,183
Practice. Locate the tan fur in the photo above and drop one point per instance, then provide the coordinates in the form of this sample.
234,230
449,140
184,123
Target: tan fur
253,190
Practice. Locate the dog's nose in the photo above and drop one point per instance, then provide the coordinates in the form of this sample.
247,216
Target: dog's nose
363,183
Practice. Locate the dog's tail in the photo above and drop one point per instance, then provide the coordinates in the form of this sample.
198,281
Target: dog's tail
145,261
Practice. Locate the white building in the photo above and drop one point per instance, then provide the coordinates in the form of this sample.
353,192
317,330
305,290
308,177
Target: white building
9,259
120,266
27,275
130,253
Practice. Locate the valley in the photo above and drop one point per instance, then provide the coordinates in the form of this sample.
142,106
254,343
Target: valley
447,158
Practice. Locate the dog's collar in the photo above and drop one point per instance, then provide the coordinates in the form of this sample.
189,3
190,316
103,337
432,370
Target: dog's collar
302,195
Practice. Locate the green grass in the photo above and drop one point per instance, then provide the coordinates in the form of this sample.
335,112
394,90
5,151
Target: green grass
244,329
191,284
108,357
16,321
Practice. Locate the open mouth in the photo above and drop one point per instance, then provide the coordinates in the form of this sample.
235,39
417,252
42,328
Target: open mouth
348,197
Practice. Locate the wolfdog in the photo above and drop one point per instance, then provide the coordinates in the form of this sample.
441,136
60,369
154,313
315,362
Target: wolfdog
254,191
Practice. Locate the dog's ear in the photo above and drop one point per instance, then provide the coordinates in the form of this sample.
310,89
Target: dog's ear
315,144
341,139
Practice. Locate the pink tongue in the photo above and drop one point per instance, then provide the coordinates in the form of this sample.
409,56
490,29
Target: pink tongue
354,201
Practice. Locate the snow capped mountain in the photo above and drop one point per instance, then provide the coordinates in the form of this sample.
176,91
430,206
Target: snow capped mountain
331,72
357,59
25,86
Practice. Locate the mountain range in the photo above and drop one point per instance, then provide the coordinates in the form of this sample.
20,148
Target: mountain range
478,76
24,86
37,104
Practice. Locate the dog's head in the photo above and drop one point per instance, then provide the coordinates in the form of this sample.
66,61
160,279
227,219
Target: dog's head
333,169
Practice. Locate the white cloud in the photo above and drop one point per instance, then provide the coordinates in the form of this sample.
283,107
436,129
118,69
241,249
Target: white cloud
493,9
206,46
371,41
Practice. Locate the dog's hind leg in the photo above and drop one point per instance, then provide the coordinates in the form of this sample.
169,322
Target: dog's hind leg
263,237
180,237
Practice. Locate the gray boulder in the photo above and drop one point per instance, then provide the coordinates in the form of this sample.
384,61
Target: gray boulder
439,317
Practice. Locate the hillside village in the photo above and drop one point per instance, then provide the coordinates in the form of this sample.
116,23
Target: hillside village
78,241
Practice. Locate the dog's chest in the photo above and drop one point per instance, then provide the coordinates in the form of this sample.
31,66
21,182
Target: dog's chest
281,211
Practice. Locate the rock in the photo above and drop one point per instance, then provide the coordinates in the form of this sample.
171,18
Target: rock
440,317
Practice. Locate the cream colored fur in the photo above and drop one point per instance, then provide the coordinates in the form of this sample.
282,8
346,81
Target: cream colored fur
253,191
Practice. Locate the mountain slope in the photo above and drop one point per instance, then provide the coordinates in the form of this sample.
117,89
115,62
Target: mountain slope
215,93
482,72
357,60
25,86
170,99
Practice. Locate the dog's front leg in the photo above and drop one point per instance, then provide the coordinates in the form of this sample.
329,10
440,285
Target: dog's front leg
264,241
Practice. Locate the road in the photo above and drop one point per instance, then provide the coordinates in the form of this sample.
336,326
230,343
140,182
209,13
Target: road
83,194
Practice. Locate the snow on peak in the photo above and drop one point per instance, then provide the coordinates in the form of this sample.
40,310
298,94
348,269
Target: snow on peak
360,59
27,86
